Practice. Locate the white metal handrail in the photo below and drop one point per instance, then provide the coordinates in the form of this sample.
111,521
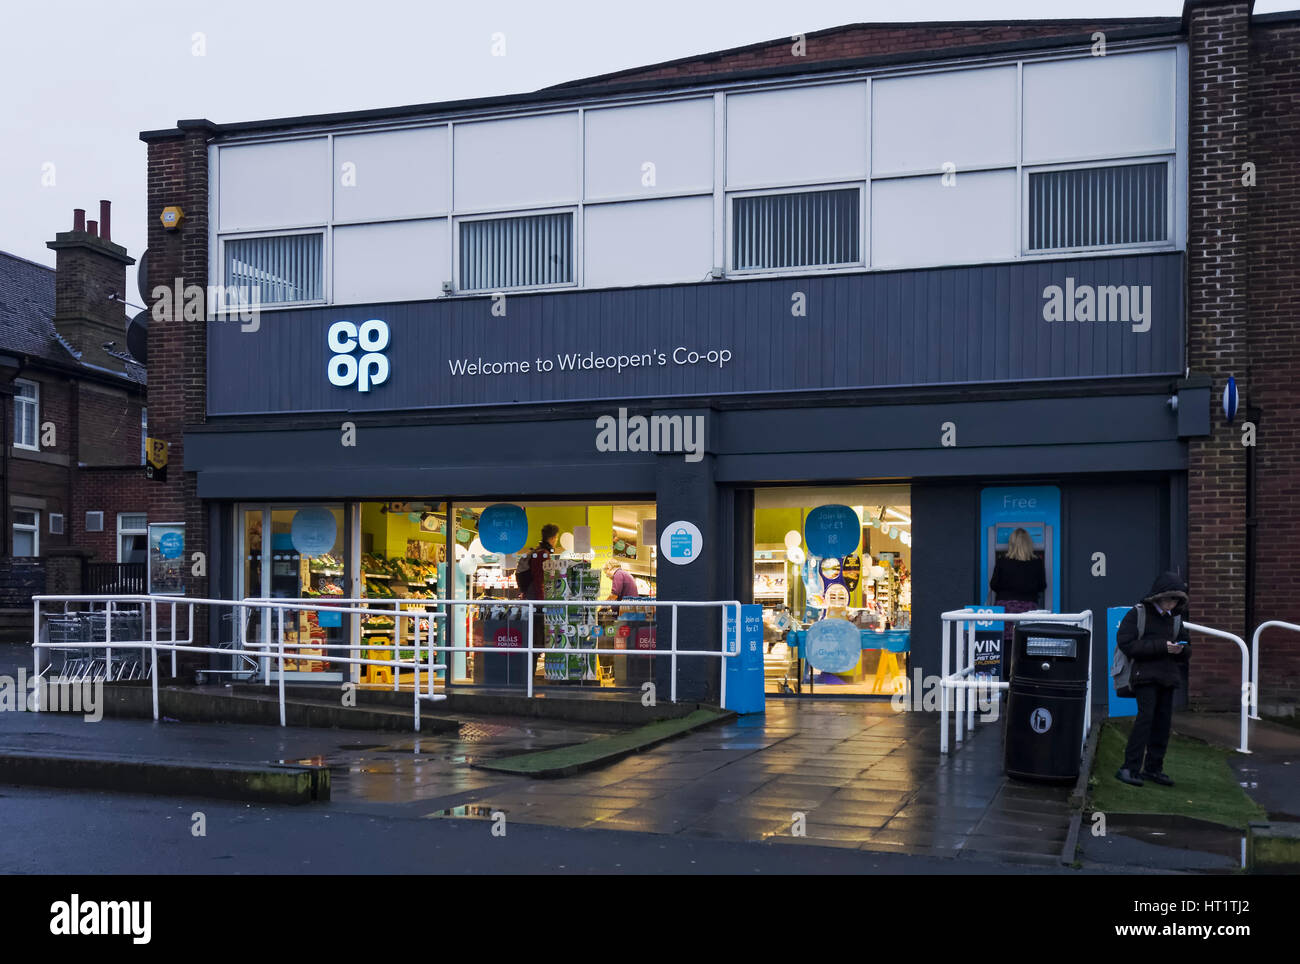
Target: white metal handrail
1245,676
1254,660
957,682
427,609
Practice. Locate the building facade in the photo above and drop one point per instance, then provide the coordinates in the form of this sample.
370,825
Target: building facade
74,418
963,278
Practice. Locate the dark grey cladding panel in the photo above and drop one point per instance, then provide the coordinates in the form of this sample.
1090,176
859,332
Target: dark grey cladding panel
869,329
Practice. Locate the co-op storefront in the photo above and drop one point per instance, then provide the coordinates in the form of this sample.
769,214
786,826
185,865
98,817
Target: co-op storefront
944,406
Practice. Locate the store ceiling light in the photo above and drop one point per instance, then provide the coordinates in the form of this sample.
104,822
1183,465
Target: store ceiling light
905,519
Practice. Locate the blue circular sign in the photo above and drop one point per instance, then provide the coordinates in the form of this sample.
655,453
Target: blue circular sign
503,528
834,645
832,530
313,531
170,545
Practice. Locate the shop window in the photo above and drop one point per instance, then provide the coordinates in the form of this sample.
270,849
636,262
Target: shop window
27,533
132,537
276,270
1099,207
520,252
800,229
27,414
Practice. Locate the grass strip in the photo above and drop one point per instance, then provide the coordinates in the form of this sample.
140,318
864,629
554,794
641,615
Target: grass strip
1205,786
566,760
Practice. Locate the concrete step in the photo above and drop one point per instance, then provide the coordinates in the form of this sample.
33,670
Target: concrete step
191,704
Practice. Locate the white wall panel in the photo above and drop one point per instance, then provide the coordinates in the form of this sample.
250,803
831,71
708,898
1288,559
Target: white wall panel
799,135
649,242
966,117
918,221
396,173
677,138
274,185
517,162
1094,106
399,261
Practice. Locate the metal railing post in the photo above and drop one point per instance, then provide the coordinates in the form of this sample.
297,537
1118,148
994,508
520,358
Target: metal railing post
415,680
943,687
1254,660
153,655
722,660
1245,676
280,613
108,638
672,686
532,660
36,657
960,673
970,663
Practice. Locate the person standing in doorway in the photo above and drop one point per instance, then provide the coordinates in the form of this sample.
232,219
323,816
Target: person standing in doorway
537,561
1152,634
1018,580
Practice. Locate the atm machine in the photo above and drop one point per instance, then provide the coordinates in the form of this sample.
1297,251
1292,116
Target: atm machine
1037,510
997,538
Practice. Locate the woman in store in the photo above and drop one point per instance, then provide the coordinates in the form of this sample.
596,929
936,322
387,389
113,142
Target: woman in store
622,583
1018,580
537,561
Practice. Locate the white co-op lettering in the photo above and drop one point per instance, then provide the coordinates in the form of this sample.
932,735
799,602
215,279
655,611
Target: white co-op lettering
371,368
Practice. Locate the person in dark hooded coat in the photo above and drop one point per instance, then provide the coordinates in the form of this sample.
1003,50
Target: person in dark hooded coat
1157,656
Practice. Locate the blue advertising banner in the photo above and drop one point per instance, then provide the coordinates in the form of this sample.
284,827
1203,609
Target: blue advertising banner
1037,510
832,531
1059,319
1116,705
503,528
988,644
745,672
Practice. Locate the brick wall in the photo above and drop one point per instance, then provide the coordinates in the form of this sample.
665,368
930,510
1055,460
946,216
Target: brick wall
178,175
108,425
867,40
110,490
1219,54
1273,205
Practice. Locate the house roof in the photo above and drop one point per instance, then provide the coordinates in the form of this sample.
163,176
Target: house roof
27,319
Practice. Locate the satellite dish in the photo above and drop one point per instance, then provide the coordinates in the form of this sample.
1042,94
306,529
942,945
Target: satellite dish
137,337
142,278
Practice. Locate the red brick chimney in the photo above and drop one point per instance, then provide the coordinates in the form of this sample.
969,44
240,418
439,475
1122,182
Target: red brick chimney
89,288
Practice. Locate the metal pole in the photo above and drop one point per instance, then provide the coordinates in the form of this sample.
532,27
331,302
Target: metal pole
108,639
36,655
532,663
397,632
726,648
415,680
943,690
960,647
1087,704
672,687
970,661
280,612
153,654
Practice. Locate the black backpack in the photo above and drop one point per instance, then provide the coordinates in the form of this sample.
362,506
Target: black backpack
524,572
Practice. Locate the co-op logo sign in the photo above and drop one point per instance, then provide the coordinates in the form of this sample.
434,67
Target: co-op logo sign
358,357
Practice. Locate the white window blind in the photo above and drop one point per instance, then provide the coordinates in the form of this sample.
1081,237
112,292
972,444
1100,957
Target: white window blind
1098,206
795,230
516,252
276,270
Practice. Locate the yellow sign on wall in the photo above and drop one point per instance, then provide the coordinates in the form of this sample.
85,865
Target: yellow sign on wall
156,459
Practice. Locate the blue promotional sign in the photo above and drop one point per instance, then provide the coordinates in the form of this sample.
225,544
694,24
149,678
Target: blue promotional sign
833,645
313,531
745,672
1037,510
1116,705
1230,399
170,545
832,530
503,528
329,618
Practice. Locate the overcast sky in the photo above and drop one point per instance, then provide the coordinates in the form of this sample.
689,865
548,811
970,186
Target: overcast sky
81,78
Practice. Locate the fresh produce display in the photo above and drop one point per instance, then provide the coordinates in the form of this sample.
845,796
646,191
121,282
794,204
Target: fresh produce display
325,563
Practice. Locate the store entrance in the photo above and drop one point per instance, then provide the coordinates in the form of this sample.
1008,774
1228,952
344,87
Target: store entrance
866,584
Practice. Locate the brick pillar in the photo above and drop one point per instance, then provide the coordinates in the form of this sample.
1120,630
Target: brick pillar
178,176
1219,55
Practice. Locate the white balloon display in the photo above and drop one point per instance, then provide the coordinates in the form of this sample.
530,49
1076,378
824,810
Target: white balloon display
792,539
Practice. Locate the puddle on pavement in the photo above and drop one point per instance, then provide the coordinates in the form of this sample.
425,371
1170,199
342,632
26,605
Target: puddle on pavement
310,761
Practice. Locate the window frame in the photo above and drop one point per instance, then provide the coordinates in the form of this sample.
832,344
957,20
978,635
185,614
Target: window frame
23,401
131,532
1169,242
570,209
325,255
797,270
34,528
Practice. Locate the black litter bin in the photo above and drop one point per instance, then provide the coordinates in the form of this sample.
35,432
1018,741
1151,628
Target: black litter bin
1045,701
